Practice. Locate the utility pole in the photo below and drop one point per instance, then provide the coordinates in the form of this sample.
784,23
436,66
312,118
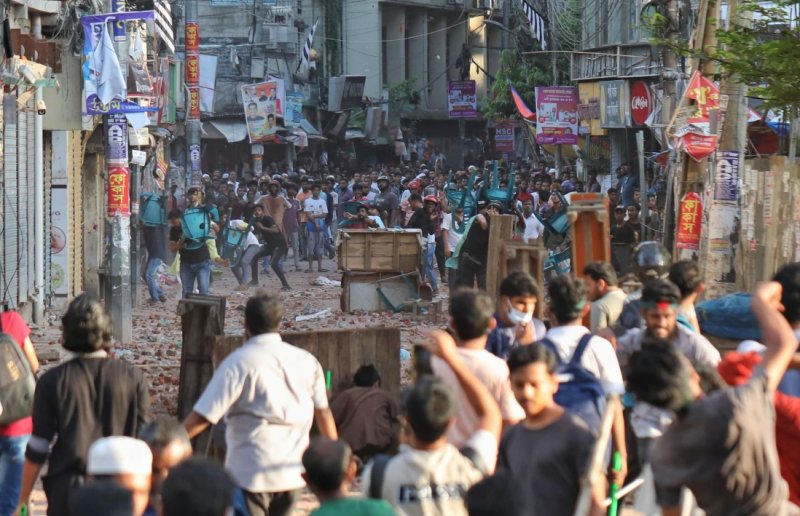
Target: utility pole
506,22
192,124
670,75
734,130
559,159
118,237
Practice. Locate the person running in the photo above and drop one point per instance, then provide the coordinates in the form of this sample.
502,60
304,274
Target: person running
471,317
269,389
550,450
154,243
195,264
721,447
274,246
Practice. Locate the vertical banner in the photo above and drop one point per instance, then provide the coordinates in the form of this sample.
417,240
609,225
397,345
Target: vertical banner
726,176
462,99
193,71
258,164
260,107
118,6
690,219
118,190
557,115
192,37
194,159
504,136
294,108
116,139
59,240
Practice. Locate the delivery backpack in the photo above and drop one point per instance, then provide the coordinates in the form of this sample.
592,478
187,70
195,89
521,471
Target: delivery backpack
17,381
580,392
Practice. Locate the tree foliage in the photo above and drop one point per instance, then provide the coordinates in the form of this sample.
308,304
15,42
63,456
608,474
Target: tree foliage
525,73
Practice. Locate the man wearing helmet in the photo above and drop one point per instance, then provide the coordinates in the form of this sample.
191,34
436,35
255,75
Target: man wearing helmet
387,202
651,260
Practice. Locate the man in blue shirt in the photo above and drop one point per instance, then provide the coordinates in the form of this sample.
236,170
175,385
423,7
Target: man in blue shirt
628,183
516,325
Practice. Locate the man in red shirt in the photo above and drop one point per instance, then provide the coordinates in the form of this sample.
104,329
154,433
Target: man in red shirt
14,437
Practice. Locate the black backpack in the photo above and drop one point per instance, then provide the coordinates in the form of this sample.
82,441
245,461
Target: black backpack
17,381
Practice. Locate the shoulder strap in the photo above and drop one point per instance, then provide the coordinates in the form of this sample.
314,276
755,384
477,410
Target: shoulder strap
582,345
552,347
379,463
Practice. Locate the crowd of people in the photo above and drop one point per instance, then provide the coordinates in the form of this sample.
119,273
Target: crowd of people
502,417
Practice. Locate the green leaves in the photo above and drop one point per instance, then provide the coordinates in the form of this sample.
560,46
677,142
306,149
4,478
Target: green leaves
525,73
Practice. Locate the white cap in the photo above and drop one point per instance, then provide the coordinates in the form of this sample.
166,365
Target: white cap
118,456
225,176
751,346
302,171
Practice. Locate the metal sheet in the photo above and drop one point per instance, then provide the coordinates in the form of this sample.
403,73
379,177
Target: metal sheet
10,204
233,130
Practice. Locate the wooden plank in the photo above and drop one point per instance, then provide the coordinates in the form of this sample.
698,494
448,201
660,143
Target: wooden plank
500,230
367,252
396,256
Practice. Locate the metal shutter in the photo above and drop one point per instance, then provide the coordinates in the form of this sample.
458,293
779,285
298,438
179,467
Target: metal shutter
10,222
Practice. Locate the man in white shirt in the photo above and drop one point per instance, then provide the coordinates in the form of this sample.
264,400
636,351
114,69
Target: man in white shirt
472,317
250,250
451,222
431,475
270,393
568,307
533,228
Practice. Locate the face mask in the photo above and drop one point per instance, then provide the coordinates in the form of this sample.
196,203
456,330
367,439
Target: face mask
517,317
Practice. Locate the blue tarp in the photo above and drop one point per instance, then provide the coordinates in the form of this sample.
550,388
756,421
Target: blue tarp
729,317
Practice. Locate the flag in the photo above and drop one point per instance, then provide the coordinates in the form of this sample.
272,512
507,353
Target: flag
523,108
307,46
163,23
537,23
105,69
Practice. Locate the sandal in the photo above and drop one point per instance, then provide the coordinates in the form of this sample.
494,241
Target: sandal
323,270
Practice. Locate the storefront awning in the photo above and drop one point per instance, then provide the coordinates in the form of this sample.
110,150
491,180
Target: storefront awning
310,130
230,130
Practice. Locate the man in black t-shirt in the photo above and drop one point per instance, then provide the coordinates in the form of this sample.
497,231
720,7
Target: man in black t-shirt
622,232
474,252
195,263
273,245
154,242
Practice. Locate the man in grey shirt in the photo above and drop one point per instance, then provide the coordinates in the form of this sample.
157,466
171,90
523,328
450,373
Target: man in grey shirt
387,203
721,447
270,393
607,298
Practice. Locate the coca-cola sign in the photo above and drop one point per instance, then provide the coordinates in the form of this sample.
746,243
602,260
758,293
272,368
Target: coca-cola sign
641,102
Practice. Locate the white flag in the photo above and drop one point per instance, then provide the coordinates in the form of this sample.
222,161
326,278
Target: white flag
307,46
105,68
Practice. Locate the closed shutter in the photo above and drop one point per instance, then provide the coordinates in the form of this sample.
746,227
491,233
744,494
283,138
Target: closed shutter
23,185
31,205
10,205
76,192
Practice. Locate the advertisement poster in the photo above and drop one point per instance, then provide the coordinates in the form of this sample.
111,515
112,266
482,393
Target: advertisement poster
100,69
504,136
260,107
462,99
294,108
641,102
59,235
706,96
726,176
280,94
118,190
698,146
557,115
613,102
117,144
689,222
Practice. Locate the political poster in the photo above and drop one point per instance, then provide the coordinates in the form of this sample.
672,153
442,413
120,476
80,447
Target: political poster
726,176
261,110
557,115
462,99
280,94
294,108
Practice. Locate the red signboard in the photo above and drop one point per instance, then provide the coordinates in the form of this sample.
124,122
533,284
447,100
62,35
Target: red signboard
705,95
194,103
689,222
193,70
641,102
118,191
192,38
504,136
699,146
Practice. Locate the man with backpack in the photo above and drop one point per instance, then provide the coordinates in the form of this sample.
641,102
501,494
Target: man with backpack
14,434
588,362
430,465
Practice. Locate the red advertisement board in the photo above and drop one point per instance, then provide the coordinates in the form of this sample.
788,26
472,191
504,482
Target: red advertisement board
192,38
690,221
118,191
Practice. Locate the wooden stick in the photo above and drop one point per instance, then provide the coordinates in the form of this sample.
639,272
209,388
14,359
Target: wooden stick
596,466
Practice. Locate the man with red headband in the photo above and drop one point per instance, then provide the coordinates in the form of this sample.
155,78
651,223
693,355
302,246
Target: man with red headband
660,302
405,207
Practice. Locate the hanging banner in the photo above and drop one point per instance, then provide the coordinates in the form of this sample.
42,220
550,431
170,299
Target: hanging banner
504,136
706,96
557,115
192,37
726,176
100,69
279,94
294,108
699,146
118,6
208,82
118,190
258,164
117,139
462,99
690,218
260,105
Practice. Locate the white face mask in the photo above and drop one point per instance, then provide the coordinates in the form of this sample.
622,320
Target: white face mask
518,317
